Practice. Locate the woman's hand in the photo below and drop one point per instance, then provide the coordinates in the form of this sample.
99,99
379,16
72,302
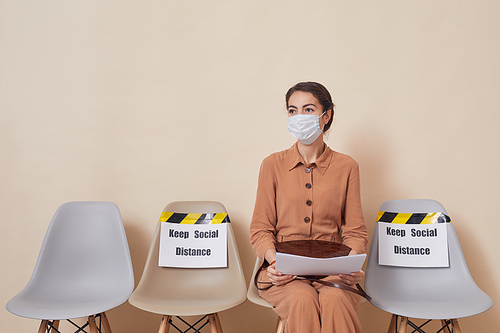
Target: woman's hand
354,277
276,277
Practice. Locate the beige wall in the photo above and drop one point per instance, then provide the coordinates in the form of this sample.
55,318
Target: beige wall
147,102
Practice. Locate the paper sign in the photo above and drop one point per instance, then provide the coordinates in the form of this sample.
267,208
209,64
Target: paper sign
413,245
193,245
299,265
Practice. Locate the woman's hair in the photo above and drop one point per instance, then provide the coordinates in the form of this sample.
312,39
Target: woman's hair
318,91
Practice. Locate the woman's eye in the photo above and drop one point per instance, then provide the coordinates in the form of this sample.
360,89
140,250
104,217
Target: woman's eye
309,110
291,111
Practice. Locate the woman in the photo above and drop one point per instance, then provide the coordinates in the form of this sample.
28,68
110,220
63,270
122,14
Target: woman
309,192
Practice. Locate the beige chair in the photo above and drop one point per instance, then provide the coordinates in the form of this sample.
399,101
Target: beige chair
253,296
190,291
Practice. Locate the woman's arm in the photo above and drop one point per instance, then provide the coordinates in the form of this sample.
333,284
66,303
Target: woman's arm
263,224
354,233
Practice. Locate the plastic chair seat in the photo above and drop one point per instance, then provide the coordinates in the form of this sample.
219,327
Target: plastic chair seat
84,266
436,310
190,291
191,305
424,293
32,306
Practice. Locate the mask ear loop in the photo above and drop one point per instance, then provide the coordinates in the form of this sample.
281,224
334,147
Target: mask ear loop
323,129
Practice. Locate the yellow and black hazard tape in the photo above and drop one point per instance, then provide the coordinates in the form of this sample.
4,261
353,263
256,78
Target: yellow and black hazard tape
413,218
185,218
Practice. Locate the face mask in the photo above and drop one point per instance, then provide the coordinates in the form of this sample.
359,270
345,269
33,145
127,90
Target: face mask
305,127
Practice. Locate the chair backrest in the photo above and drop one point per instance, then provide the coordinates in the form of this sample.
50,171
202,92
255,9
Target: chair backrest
432,293
190,291
84,265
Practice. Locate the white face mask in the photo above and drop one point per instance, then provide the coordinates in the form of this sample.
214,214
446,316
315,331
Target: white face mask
305,127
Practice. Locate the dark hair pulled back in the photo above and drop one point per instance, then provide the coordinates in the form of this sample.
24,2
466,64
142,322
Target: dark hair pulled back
318,91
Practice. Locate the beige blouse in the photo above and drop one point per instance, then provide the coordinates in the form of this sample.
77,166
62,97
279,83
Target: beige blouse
316,201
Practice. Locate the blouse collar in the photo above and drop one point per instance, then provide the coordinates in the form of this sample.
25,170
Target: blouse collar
322,163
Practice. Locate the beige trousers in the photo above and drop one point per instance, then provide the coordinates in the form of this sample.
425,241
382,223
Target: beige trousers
313,307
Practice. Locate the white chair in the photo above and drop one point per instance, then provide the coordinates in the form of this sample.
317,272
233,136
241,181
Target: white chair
444,294
190,291
83,268
253,296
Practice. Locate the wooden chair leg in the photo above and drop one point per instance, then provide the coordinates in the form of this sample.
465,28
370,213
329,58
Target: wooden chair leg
456,327
217,321
92,324
55,326
280,326
444,326
105,323
403,324
212,318
165,324
392,325
43,326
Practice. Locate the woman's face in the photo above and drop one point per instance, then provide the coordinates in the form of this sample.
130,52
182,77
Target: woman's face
302,102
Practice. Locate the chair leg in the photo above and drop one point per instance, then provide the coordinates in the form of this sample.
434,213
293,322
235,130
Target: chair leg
105,323
92,324
165,324
43,326
217,321
55,325
280,326
444,326
392,324
214,328
403,324
455,327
